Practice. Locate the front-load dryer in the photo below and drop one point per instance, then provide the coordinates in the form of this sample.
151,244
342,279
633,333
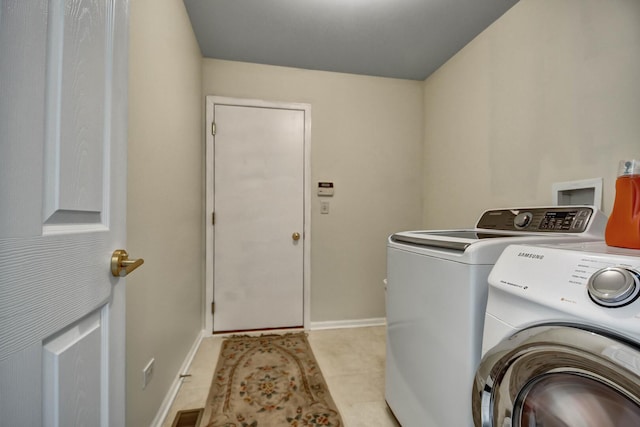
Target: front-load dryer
436,299
562,338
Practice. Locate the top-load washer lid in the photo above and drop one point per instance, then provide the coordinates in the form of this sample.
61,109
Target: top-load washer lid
448,239
574,221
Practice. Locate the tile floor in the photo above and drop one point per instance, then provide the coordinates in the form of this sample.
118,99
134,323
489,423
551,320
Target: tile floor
351,360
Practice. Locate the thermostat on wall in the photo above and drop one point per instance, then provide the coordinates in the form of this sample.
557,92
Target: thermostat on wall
325,189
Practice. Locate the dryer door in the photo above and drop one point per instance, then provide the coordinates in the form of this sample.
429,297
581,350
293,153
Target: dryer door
558,376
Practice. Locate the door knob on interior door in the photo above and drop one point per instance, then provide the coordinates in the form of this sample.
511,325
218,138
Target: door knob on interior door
121,265
295,236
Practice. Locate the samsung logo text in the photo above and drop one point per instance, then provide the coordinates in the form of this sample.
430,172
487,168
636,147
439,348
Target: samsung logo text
530,255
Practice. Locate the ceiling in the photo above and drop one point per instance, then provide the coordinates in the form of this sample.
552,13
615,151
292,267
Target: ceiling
407,39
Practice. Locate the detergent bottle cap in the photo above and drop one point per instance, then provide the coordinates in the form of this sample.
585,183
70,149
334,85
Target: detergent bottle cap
629,167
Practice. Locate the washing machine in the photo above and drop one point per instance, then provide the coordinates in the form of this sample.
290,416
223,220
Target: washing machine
436,299
562,338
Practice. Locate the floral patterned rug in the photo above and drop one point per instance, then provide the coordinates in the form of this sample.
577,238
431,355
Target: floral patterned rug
269,381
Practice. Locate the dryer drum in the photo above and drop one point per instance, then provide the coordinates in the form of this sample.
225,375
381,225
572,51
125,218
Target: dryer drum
559,376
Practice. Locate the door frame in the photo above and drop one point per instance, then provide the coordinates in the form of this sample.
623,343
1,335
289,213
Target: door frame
211,101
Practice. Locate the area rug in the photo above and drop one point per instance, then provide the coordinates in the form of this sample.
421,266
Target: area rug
269,381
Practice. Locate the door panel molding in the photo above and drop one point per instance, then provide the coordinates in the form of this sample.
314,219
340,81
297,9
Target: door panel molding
211,102
76,104
79,346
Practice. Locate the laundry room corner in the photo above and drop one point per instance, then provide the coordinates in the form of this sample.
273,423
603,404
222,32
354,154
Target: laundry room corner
366,138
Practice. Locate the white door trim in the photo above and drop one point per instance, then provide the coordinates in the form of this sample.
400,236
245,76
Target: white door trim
210,102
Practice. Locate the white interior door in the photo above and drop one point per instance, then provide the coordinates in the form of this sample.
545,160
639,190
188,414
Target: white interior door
63,66
259,204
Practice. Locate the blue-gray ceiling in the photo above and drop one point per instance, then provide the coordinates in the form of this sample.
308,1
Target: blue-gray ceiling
407,39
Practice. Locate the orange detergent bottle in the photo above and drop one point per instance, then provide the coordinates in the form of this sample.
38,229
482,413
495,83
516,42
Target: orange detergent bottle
623,226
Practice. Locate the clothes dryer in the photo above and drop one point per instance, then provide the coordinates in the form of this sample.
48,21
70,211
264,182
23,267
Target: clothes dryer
436,299
562,338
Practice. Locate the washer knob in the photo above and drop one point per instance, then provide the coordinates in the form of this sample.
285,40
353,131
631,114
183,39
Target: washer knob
522,219
613,286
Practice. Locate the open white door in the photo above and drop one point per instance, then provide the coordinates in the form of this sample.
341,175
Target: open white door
63,116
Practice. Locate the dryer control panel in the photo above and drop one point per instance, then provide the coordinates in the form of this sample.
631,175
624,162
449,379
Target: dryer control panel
566,219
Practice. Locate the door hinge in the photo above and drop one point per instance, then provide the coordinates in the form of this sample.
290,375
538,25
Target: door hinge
213,218
213,307
213,128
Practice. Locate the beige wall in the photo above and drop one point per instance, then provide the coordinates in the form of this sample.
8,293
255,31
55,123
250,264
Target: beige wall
366,136
549,93
165,209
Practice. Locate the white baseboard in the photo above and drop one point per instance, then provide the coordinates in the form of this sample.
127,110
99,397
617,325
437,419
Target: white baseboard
175,386
352,323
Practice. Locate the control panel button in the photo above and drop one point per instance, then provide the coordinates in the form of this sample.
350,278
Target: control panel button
522,220
613,286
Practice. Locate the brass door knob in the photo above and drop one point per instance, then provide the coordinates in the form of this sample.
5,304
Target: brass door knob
295,236
121,265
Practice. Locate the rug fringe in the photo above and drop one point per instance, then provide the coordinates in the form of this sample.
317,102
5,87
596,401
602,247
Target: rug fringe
267,335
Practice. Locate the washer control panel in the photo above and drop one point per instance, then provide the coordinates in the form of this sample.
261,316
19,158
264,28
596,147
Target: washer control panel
569,219
575,282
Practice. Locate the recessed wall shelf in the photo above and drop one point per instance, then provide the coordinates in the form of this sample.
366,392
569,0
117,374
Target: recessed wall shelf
582,192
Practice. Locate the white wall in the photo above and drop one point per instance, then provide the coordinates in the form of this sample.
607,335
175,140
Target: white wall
367,139
165,208
550,92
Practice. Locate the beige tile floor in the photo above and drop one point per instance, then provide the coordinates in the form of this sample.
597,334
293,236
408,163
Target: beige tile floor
351,360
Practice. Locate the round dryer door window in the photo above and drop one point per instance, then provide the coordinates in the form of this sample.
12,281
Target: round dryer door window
559,376
562,399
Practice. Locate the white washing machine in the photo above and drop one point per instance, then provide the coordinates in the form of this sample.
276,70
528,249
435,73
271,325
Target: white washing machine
562,338
436,299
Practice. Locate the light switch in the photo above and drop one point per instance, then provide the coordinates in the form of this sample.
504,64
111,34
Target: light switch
324,207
